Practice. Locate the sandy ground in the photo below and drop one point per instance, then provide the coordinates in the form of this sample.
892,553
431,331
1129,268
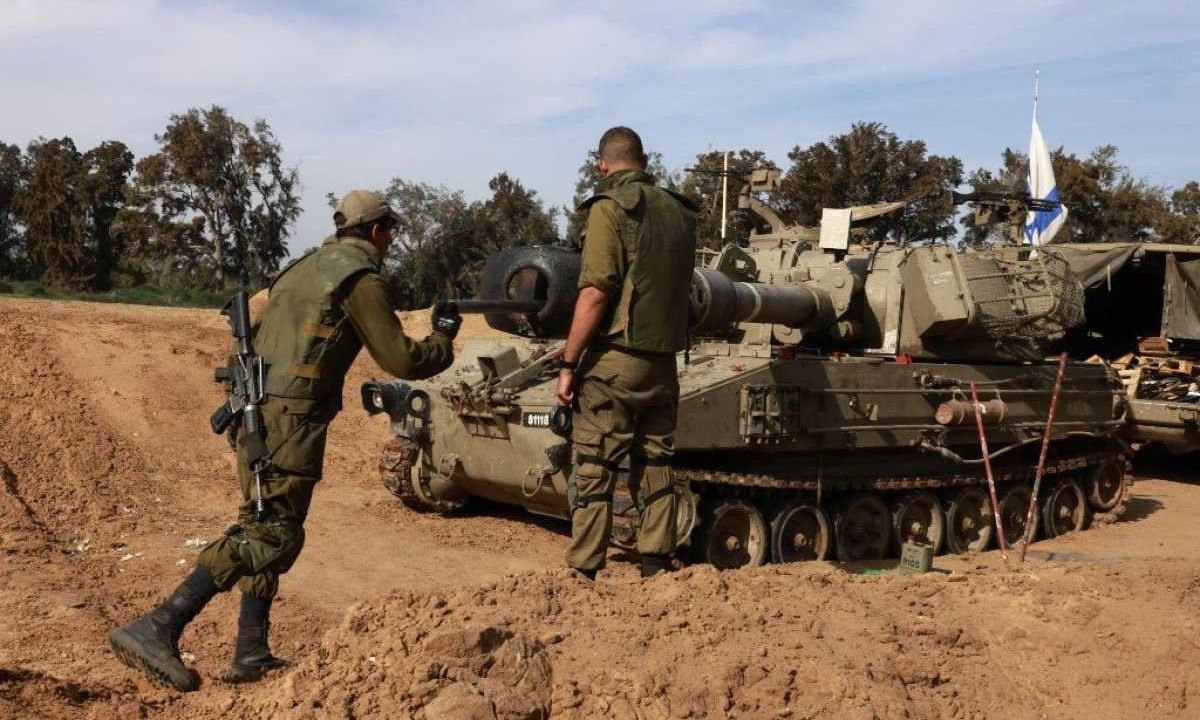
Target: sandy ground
111,481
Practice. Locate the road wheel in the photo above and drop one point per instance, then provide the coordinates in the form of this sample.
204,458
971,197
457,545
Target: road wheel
919,515
968,521
687,513
1065,509
1107,487
799,532
862,528
736,536
1014,510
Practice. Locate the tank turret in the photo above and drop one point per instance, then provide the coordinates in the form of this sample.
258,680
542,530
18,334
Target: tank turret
821,289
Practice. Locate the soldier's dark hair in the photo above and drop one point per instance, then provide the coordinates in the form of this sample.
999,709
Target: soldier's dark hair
621,145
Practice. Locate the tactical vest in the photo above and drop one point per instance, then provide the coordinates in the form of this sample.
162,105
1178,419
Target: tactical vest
659,230
306,338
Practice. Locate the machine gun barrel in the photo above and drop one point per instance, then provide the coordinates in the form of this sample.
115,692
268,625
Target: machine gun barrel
1032,203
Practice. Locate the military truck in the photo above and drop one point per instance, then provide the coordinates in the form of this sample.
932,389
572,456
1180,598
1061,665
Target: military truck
826,407
1143,314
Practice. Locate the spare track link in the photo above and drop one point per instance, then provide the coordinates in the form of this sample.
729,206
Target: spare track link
748,480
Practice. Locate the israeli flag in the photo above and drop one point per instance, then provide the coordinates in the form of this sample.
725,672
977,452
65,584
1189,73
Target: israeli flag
1041,226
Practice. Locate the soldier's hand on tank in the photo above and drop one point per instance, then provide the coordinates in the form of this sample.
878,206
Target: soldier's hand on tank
446,319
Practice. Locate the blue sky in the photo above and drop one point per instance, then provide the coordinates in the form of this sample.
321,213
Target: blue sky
451,93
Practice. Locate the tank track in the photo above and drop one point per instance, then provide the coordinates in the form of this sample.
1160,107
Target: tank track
909,482
923,482
718,487
400,455
395,470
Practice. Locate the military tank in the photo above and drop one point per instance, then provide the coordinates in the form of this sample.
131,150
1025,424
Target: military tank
825,410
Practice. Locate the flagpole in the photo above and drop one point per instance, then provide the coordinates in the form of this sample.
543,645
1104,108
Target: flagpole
1037,77
724,194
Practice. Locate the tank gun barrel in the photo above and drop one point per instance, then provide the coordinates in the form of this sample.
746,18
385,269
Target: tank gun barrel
718,301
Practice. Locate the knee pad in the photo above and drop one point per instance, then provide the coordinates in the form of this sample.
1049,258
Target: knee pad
594,477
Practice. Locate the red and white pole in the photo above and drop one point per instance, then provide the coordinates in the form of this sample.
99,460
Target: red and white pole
987,469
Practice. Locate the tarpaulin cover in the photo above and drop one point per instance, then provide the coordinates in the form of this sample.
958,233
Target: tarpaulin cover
1094,265
1181,301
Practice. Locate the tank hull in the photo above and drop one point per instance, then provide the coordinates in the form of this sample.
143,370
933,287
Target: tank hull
774,433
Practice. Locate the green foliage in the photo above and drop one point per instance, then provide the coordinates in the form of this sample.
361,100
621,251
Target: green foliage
1182,223
12,250
52,207
704,187
137,295
66,204
215,203
105,169
443,240
866,165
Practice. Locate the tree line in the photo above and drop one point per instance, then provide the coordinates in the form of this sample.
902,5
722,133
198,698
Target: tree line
212,207
215,205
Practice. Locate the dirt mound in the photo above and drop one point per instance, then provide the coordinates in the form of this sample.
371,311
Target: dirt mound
62,471
435,673
29,694
788,641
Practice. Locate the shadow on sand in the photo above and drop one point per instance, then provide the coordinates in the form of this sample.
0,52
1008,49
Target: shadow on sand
1140,508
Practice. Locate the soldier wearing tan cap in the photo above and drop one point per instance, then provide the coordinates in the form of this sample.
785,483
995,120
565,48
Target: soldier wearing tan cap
321,310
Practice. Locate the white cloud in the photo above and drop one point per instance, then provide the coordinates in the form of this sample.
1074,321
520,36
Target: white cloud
452,92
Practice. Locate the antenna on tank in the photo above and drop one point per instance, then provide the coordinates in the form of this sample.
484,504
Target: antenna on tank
724,195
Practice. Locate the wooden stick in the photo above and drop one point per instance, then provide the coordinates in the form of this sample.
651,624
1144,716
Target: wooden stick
987,468
1041,466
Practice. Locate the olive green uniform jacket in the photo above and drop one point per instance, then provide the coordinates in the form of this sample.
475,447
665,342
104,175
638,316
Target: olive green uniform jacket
322,309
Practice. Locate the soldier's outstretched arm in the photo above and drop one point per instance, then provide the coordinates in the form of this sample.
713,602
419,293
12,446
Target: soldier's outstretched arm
367,306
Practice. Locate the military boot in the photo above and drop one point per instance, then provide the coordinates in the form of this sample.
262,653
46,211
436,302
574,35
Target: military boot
252,656
655,564
151,643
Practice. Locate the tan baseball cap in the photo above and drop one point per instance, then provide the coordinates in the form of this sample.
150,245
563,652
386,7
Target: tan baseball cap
362,206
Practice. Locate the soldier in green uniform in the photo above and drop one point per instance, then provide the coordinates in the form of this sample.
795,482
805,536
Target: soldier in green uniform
618,366
320,312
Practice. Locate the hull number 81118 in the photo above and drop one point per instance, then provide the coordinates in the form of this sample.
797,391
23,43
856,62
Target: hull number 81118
536,419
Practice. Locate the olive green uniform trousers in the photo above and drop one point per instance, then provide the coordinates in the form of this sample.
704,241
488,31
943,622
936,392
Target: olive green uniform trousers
256,551
628,401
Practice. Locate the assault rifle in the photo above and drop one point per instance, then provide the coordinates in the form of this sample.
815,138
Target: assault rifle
245,376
